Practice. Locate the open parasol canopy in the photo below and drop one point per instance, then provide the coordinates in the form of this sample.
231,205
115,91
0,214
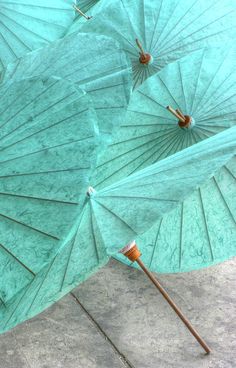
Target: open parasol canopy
154,34
140,199
29,25
104,213
48,145
95,63
198,233
113,216
201,86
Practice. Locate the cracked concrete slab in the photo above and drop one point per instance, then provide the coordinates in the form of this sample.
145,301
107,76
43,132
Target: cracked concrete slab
140,322
117,319
61,337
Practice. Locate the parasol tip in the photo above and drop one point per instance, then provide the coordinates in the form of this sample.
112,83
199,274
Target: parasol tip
131,251
90,191
80,12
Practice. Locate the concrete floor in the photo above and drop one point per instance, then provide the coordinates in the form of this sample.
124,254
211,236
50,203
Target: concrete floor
117,319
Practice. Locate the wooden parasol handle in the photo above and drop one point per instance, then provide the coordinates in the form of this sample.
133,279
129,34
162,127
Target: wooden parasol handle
132,252
176,114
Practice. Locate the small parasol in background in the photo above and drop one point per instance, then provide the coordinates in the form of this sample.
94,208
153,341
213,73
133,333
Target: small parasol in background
95,63
200,86
29,25
154,33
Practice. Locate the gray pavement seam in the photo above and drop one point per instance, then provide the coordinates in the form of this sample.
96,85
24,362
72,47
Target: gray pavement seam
122,357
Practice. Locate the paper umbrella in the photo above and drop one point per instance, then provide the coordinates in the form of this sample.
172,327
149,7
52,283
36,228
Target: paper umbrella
66,209
200,87
154,33
95,63
113,216
48,145
28,25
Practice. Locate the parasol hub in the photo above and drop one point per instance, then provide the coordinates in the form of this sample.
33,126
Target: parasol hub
185,121
90,191
131,251
145,59
188,123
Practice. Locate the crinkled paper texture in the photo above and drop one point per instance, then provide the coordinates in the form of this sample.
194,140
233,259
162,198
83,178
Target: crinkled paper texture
168,30
49,140
95,63
29,25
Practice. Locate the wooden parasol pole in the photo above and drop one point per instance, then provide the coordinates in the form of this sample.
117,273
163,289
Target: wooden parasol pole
132,252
